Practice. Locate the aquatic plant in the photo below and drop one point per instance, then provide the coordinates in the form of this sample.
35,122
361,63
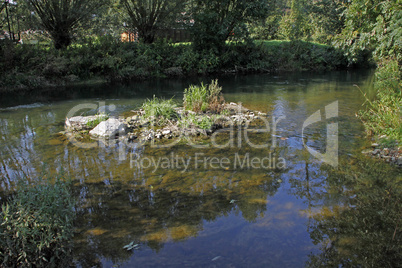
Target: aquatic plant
36,226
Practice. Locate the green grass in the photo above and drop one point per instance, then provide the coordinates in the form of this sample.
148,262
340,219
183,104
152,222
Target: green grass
159,109
382,116
36,226
95,122
203,98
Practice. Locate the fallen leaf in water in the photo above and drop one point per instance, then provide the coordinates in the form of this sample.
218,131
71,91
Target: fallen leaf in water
216,258
131,246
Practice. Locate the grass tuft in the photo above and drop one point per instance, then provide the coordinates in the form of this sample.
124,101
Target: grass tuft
204,98
159,110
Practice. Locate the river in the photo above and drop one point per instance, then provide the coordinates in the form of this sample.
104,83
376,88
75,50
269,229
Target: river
271,203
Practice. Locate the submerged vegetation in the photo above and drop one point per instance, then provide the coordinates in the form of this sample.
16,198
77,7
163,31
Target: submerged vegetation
36,226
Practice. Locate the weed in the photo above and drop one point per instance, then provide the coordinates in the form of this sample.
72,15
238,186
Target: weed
159,110
382,115
203,98
36,226
99,118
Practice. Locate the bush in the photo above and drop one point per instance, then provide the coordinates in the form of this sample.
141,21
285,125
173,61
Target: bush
36,226
30,66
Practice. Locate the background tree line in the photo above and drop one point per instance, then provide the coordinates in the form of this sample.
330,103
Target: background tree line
353,25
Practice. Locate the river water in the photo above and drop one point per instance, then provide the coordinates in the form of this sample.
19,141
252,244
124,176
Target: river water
259,199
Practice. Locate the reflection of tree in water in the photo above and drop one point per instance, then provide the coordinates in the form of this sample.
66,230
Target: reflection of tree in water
113,215
365,229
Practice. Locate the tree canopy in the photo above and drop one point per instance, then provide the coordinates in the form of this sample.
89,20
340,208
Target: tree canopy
375,25
147,16
61,17
217,21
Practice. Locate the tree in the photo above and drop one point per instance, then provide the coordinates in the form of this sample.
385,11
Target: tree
295,24
147,16
372,25
268,27
326,19
217,21
61,17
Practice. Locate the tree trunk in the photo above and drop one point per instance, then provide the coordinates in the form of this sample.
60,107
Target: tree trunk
146,35
61,39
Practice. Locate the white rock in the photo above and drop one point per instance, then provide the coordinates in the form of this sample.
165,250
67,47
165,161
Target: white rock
166,132
108,129
80,122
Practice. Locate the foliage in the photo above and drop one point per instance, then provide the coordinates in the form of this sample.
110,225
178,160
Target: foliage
159,109
374,25
60,18
218,21
36,226
382,116
106,20
203,98
147,16
325,19
267,28
31,66
196,98
295,24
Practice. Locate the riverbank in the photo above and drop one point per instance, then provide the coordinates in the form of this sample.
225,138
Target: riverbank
27,67
382,116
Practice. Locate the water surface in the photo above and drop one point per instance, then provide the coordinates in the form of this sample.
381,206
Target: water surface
201,216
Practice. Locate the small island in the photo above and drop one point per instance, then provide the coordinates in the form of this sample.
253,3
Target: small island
203,112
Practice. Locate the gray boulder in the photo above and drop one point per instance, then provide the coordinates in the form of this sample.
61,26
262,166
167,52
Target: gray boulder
78,123
108,129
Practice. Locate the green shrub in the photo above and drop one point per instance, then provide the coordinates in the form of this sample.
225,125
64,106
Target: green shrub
382,116
36,226
159,110
114,61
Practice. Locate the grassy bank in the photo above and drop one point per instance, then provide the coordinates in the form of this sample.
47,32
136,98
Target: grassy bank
382,116
32,66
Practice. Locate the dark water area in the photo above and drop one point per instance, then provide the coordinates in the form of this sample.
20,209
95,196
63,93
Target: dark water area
270,203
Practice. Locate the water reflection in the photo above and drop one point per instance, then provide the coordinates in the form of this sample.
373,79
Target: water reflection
363,228
203,216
